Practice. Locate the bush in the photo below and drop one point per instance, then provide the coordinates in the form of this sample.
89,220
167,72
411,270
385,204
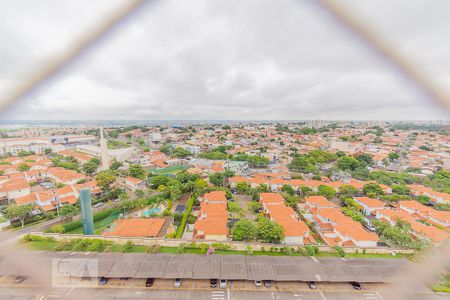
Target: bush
37,238
191,219
127,246
339,251
72,225
58,228
185,216
312,250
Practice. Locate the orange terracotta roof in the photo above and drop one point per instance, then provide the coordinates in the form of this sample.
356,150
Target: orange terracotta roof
136,227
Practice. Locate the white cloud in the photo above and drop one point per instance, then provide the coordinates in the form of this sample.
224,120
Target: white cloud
224,60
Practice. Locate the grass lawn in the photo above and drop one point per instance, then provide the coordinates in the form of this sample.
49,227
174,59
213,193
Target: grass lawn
47,246
50,246
441,288
170,170
99,225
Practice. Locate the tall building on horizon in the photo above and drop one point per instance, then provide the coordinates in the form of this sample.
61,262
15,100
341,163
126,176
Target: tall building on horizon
104,151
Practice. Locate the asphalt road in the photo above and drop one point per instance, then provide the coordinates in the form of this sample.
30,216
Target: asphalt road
22,292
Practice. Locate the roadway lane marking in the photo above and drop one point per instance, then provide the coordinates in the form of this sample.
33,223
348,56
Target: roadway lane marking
379,295
69,291
314,259
322,295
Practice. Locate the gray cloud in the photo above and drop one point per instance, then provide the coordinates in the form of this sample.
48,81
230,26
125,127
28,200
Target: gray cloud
225,60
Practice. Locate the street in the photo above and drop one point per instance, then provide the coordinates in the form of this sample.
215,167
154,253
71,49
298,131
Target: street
28,292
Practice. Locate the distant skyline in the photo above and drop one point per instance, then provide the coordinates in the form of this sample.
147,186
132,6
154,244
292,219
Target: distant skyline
224,60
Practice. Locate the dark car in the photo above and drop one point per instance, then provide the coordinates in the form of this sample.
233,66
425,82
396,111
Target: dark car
149,282
356,285
19,279
267,283
103,281
312,285
213,283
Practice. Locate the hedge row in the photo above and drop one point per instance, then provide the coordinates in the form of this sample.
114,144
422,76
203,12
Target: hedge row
186,214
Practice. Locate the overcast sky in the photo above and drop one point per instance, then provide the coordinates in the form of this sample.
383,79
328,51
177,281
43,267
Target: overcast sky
212,59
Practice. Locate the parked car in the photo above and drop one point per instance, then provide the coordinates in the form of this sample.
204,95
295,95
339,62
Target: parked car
123,278
97,205
149,282
312,285
356,285
258,283
103,281
223,284
19,279
177,283
213,283
267,283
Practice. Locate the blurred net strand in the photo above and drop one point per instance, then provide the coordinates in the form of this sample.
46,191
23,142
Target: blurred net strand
410,71
76,50
347,20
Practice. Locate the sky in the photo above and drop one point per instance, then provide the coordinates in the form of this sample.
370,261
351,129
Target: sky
224,60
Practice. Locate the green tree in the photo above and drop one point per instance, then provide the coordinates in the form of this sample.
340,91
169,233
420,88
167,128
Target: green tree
400,189
244,230
91,166
423,199
347,163
116,165
393,156
47,151
180,152
365,159
158,180
105,178
136,171
218,179
254,206
166,149
326,191
303,165
243,187
263,188
287,189
348,190
373,189
68,210
269,232
234,208
340,153
19,212
23,167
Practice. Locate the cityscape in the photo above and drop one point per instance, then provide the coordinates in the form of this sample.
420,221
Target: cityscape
225,150
240,206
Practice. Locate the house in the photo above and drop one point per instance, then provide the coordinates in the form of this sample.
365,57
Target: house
14,188
296,232
45,200
137,227
337,229
215,197
441,218
212,220
369,205
431,233
134,184
319,202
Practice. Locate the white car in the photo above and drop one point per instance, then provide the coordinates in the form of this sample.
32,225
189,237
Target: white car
223,284
258,283
177,283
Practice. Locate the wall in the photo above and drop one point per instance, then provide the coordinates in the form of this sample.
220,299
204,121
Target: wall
239,246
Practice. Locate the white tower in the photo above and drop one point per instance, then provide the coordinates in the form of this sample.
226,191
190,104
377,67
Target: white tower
104,151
